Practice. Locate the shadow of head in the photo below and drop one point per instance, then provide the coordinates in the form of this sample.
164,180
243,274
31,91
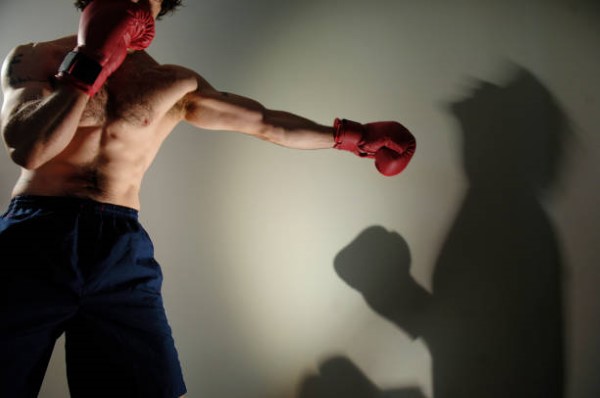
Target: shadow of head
514,133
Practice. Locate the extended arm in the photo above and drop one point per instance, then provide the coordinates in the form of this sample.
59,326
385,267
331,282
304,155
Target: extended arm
210,109
389,143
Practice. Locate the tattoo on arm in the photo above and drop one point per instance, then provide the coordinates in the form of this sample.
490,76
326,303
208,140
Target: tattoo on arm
12,75
16,78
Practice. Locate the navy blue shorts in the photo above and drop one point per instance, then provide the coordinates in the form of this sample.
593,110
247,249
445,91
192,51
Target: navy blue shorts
86,269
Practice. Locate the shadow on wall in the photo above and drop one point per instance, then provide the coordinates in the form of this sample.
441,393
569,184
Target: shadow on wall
340,378
494,322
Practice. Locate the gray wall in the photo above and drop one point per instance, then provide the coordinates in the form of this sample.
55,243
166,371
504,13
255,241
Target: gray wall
305,273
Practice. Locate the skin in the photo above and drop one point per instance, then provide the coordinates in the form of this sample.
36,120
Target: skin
68,144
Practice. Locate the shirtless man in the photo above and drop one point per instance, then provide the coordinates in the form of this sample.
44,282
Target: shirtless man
84,116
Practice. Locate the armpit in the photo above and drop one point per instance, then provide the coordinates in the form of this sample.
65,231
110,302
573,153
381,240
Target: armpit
178,110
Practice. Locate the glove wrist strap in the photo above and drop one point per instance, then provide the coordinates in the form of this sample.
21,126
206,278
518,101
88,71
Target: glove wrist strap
348,135
79,70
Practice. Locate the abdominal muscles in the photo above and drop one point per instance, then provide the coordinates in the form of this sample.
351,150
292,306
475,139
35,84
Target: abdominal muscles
119,134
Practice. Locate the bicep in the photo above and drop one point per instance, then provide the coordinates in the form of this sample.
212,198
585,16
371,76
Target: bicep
22,92
211,109
21,87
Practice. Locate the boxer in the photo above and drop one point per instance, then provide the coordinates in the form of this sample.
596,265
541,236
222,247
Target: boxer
84,116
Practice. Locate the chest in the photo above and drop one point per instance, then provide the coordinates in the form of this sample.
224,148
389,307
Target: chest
133,94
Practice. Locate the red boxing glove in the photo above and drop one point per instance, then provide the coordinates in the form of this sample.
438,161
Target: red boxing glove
389,143
107,29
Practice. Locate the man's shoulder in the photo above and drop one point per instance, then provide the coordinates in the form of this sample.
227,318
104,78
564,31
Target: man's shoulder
57,46
43,48
67,42
61,42
147,62
30,61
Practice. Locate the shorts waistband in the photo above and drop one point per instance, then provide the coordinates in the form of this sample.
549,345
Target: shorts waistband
67,203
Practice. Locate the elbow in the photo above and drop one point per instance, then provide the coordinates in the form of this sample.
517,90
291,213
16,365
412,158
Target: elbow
269,128
24,159
21,152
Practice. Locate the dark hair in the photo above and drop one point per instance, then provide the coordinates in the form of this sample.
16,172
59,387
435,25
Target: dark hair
166,6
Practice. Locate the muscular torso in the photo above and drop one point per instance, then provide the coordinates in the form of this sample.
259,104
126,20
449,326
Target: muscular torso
119,133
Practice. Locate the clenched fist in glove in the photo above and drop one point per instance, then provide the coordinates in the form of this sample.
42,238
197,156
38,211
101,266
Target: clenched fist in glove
389,143
107,29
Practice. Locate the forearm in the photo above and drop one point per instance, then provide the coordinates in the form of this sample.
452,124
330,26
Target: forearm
292,131
39,130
